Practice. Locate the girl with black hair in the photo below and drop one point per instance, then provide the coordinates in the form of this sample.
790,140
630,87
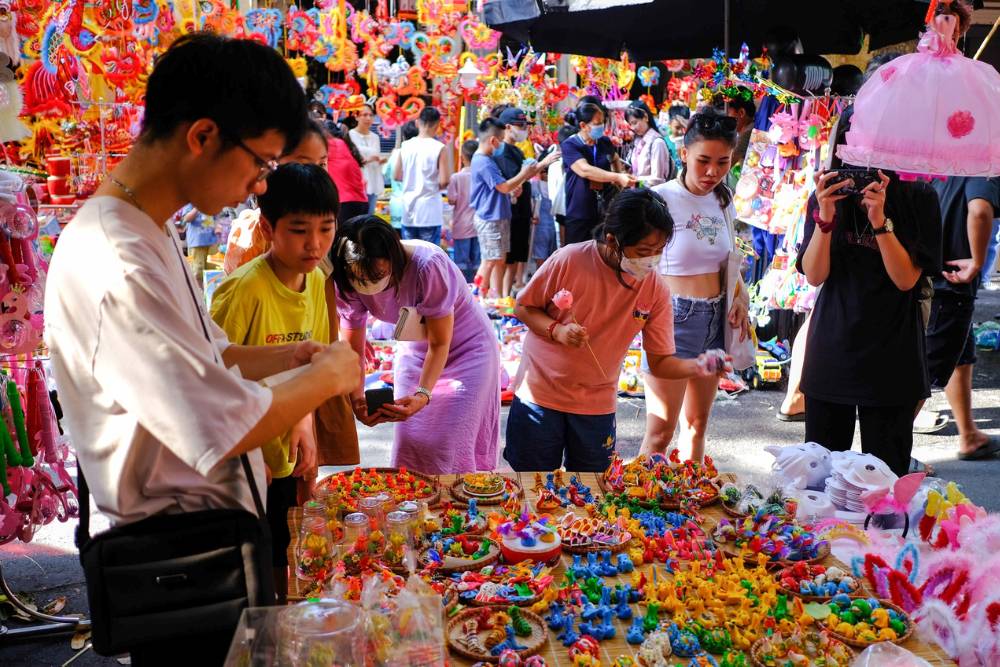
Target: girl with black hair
693,266
564,408
866,357
452,371
587,166
651,161
344,163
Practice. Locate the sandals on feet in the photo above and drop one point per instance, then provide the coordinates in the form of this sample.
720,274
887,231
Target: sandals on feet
987,450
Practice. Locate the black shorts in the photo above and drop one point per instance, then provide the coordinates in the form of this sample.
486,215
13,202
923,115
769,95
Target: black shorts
949,336
520,237
282,494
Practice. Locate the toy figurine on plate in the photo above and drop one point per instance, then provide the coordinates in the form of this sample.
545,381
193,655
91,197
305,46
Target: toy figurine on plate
664,481
401,484
802,649
455,521
777,537
530,537
815,581
459,553
483,484
521,584
593,534
751,500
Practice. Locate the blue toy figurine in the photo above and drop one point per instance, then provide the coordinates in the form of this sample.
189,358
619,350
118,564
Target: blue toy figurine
623,610
606,569
509,643
607,627
635,634
569,636
473,509
555,617
625,565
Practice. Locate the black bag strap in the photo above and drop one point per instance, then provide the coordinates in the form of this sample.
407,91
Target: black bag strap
83,529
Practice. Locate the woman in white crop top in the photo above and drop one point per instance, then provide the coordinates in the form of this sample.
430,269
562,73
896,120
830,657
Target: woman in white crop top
701,207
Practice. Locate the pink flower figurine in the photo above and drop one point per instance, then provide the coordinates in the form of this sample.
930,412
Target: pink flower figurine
563,299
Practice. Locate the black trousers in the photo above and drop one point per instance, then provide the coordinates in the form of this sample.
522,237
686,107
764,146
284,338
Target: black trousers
886,432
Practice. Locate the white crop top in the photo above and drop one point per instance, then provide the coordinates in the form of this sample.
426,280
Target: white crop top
701,242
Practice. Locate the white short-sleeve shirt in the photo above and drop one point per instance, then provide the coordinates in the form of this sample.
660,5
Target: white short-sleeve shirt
148,404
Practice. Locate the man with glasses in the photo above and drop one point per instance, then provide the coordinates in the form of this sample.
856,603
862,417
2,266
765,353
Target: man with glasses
158,419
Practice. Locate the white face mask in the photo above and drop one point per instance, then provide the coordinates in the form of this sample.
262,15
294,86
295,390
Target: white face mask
639,267
520,134
370,289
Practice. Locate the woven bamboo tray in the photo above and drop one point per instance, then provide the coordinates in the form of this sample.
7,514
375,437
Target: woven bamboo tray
457,491
857,643
431,500
757,650
533,643
451,564
664,505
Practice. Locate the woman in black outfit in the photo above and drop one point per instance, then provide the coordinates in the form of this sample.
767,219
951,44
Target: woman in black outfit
866,354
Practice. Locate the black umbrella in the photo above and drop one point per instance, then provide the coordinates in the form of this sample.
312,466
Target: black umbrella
664,29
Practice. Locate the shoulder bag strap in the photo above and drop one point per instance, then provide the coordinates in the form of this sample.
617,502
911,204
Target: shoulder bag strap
204,328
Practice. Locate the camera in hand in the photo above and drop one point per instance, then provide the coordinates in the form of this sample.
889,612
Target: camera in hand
862,178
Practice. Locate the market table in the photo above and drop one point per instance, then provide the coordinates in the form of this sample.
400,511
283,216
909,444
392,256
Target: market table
554,653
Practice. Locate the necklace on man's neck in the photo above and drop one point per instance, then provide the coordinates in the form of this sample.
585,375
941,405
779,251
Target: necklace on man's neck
128,193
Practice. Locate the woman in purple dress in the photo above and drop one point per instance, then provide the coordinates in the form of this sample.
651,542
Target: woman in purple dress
447,387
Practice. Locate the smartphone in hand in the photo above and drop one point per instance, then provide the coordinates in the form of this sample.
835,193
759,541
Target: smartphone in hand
862,178
376,398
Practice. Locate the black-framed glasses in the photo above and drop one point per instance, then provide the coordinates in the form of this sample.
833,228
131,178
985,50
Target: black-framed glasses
267,167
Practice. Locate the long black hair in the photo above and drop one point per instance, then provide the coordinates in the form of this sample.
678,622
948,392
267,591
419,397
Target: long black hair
339,131
359,243
637,109
710,125
633,214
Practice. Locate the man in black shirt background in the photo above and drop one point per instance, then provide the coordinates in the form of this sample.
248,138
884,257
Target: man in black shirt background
968,206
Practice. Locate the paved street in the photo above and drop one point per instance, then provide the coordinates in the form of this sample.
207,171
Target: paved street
739,431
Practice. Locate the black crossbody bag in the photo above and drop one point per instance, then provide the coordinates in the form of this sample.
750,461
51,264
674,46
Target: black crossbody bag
174,576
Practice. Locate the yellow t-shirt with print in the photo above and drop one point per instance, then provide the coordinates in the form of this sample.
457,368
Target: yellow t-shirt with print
254,308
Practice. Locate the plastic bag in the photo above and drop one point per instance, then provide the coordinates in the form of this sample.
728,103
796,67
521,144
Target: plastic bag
885,654
407,629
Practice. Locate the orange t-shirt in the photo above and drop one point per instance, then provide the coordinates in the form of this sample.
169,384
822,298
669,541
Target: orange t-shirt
566,378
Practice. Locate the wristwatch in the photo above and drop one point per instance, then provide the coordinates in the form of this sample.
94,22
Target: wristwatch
887,228
425,391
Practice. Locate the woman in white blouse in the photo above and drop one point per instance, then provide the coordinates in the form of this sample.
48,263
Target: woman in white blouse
369,146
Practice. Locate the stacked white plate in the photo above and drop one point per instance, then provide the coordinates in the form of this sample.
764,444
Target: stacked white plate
852,475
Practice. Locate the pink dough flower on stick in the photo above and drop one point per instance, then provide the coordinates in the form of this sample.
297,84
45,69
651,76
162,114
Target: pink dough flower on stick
563,300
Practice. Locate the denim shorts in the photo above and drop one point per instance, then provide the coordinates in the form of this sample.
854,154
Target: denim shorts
699,325
540,438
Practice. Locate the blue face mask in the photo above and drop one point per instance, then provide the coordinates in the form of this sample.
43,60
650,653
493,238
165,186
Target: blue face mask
499,149
597,132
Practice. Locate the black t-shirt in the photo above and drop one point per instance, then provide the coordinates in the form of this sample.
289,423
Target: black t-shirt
510,160
866,337
581,200
955,195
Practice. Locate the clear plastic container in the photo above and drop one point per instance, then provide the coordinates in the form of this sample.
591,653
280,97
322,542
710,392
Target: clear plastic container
372,507
320,633
315,550
398,538
355,525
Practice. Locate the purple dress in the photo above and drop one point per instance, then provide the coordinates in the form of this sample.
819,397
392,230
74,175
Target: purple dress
460,430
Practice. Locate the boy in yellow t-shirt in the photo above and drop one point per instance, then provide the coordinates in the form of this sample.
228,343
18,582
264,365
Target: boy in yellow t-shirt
278,298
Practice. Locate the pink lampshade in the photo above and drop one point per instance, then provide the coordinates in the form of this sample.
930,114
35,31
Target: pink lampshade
934,112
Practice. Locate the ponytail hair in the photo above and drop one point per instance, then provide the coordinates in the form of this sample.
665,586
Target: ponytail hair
634,214
584,113
710,125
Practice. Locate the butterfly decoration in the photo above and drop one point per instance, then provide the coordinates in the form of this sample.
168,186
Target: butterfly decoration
266,23
363,26
478,35
400,33
301,29
439,49
649,76
675,65
394,115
